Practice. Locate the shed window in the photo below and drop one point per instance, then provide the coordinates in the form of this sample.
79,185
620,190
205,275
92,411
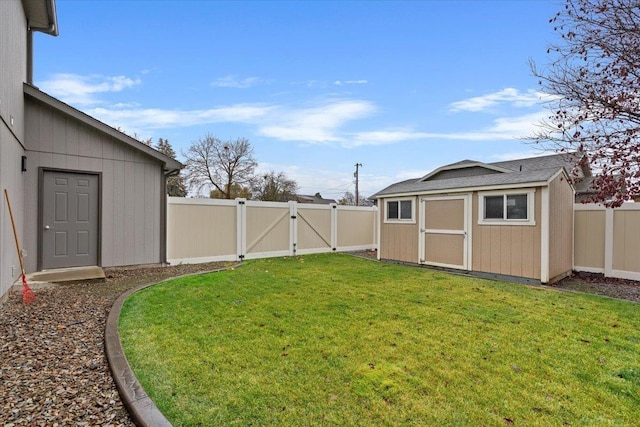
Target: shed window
515,208
399,210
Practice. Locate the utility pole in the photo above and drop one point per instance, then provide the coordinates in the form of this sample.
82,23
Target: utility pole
358,165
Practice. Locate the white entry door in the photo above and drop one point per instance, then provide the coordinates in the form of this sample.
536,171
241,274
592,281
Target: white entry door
445,223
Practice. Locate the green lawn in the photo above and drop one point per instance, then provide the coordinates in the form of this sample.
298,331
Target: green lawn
337,340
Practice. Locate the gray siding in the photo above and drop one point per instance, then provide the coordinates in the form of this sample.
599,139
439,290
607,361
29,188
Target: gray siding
13,65
131,182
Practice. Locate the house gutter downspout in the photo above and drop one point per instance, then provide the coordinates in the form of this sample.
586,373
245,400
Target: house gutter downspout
52,29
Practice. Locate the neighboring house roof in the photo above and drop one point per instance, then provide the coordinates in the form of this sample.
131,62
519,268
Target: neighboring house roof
471,174
303,198
170,164
41,15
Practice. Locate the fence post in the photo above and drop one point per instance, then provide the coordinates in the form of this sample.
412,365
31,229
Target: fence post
608,242
293,227
334,227
241,228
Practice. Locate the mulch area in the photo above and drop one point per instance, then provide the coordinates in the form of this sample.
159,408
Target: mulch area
53,370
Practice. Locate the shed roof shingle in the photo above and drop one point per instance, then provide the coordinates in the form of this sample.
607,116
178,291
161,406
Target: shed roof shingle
523,171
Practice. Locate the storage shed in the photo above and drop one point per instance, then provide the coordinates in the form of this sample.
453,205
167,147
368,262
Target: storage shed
511,219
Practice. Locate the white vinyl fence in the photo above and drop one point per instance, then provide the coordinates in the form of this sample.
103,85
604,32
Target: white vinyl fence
205,230
607,240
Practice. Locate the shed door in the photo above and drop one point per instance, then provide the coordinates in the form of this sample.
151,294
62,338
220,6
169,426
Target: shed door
444,226
69,219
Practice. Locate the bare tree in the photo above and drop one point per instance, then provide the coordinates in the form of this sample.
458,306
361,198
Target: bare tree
275,187
214,164
348,199
176,186
594,80
237,191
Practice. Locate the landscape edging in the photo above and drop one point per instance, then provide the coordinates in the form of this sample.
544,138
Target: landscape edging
135,399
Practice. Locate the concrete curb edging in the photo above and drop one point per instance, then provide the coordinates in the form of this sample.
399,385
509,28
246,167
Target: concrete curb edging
139,405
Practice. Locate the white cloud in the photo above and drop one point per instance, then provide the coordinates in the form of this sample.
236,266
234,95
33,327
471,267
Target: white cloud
502,128
81,90
384,137
144,120
350,82
509,95
233,81
318,124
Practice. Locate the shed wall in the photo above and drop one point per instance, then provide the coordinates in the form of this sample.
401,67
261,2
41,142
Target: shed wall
512,250
131,181
561,201
399,241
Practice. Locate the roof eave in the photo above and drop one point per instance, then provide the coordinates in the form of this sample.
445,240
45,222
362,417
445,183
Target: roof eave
41,16
170,164
465,189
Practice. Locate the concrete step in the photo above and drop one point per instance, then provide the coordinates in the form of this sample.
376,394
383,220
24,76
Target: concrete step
73,274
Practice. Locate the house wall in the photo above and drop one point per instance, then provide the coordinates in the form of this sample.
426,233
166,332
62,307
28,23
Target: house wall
511,250
13,66
131,196
561,201
399,241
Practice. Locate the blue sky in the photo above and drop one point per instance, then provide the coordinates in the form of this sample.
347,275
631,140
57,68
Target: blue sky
316,86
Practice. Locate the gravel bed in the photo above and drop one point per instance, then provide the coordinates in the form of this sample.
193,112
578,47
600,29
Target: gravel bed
53,371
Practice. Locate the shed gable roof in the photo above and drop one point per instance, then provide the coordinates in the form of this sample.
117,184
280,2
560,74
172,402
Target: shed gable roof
170,164
532,171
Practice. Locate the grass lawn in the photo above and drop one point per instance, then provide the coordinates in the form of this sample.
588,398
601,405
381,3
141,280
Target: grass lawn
337,340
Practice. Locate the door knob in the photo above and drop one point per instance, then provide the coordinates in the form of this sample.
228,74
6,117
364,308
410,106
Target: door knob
46,227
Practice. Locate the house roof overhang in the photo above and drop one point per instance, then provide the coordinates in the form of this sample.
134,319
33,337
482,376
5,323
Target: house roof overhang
41,16
170,164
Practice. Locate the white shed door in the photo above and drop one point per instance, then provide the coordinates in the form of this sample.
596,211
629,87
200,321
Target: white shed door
444,231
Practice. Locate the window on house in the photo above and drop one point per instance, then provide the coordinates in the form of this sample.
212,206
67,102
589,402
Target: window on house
509,207
399,210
